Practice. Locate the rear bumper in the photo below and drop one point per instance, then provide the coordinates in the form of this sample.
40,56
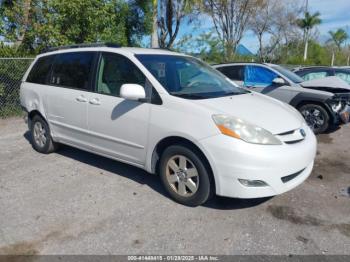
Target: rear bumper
281,167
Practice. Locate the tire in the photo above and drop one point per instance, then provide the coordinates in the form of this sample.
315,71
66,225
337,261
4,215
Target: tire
316,117
41,136
184,175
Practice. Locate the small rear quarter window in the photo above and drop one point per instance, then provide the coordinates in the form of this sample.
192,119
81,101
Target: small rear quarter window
40,73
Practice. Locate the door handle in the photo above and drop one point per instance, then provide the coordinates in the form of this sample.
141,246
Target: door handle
95,101
81,99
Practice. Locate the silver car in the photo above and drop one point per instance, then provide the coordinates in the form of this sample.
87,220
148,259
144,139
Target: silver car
321,109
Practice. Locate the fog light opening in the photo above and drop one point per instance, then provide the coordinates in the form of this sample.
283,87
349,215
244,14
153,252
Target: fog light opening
252,183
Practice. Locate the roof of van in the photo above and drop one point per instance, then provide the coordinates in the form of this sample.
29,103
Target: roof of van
130,50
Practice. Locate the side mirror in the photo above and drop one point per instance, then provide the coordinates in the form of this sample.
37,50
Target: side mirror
279,81
133,92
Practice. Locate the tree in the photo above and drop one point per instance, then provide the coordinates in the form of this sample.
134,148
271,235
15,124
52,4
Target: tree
171,15
283,32
61,22
307,23
16,19
206,46
262,22
154,36
230,19
339,37
138,20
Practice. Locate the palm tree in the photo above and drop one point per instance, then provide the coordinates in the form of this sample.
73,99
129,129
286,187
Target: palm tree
339,37
154,36
307,23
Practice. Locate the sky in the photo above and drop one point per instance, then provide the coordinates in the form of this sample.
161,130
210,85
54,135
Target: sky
334,14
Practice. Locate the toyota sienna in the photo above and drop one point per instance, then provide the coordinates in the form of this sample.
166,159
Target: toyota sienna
169,114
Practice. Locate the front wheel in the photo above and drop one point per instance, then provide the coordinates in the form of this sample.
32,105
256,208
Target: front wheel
184,175
316,117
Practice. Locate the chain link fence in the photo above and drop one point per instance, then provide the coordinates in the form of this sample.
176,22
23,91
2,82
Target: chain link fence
11,73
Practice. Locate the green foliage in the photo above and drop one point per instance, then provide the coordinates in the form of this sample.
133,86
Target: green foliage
137,19
75,21
11,51
309,21
208,48
36,24
339,37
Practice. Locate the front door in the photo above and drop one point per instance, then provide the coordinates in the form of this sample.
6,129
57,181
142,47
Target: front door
118,127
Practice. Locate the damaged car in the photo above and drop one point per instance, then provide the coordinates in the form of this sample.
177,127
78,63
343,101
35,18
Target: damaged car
323,105
319,72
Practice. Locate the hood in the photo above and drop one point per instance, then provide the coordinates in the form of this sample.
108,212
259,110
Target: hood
329,83
257,109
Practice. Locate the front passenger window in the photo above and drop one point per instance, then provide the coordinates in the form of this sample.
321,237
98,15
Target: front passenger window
315,75
257,76
116,70
344,76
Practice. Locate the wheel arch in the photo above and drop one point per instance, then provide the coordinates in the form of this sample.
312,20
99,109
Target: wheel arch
323,105
312,98
33,113
178,140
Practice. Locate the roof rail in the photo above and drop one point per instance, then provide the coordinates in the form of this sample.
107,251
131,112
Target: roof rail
99,44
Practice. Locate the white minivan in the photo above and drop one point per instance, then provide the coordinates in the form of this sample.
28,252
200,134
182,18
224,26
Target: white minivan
169,114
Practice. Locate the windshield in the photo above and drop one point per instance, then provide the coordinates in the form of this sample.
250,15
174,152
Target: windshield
188,77
289,74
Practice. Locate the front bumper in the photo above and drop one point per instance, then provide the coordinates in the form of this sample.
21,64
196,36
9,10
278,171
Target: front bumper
281,167
344,115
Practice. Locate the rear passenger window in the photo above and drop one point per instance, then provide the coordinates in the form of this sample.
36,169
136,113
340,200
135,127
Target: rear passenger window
73,70
40,72
233,72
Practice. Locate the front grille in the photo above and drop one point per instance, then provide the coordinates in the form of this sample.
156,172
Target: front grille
286,133
293,142
286,179
292,137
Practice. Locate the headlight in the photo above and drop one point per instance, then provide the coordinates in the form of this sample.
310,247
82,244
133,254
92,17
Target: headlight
237,128
336,106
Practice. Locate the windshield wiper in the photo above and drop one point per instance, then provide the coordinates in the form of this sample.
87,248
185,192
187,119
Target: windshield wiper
237,93
187,95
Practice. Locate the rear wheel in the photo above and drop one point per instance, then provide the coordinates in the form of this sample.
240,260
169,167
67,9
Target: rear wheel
184,175
316,117
41,136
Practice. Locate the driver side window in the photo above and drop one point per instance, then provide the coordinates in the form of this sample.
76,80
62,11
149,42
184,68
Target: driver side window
116,70
257,76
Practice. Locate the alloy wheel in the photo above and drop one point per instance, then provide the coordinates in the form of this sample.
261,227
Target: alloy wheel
182,176
314,118
39,134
